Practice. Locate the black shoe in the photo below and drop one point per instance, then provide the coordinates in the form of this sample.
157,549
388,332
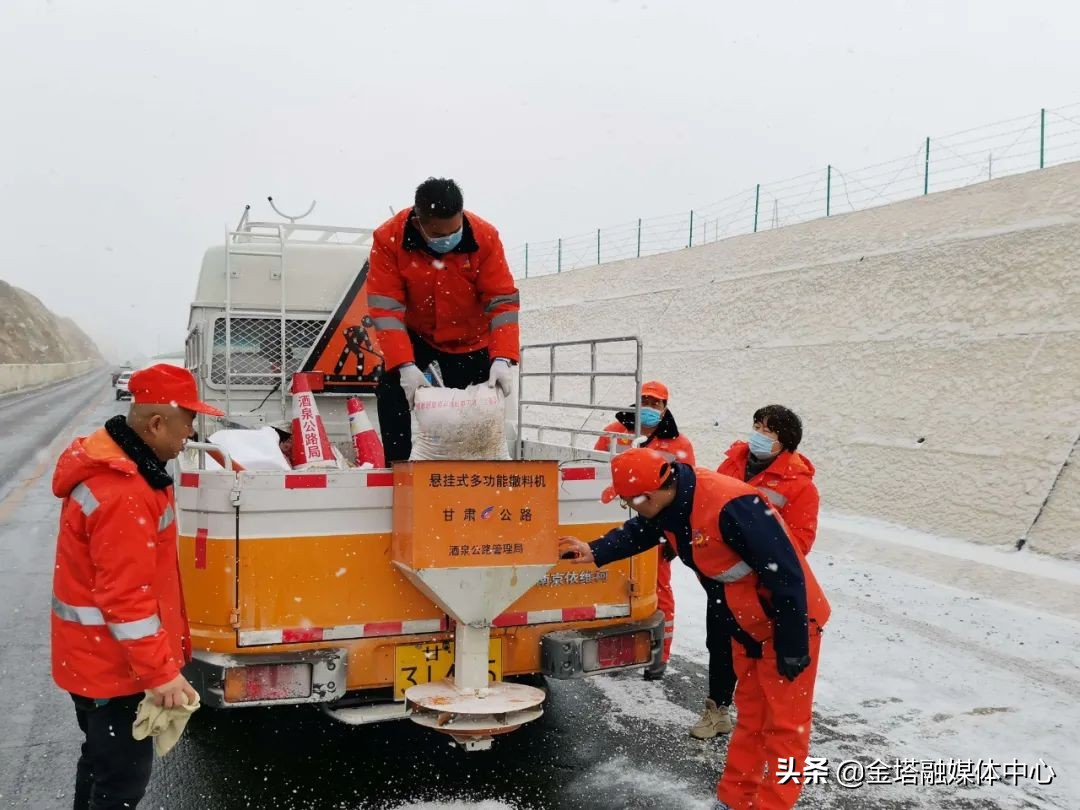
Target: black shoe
656,673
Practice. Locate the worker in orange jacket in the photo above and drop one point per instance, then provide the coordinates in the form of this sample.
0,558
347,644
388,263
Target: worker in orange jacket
119,628
768,462
773,607
657,426
771,463
661,434
439,289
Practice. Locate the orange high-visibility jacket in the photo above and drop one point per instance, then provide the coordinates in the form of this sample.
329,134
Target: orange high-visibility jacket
458,302
665,439
118,620
733,540
788,483
723,506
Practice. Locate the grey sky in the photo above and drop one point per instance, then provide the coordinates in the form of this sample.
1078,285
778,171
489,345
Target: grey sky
134,132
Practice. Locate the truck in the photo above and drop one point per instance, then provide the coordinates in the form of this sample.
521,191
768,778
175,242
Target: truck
294,588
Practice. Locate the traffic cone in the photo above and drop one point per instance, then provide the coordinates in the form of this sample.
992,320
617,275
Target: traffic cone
369,449
220,459
311,445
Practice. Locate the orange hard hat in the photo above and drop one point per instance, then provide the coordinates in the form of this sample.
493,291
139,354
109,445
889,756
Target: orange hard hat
635,472
654,389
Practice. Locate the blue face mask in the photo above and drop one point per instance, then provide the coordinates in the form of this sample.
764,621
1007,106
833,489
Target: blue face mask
760,444
650,417
444,244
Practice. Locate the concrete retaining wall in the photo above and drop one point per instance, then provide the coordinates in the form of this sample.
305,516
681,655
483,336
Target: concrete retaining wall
932,348
17,376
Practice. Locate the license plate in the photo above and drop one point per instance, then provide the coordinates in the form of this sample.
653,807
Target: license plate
415,664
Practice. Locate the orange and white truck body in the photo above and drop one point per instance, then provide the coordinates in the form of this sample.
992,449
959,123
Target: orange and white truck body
291,590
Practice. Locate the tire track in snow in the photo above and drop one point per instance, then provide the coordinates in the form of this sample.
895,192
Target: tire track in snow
1022,667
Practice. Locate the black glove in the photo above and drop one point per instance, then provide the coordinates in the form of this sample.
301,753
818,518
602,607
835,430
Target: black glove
791,668
667,551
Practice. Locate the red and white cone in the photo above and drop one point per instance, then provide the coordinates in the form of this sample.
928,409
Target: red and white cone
311,445
369,449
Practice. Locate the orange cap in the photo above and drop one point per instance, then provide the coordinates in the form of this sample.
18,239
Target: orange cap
635,472
166,384
654,389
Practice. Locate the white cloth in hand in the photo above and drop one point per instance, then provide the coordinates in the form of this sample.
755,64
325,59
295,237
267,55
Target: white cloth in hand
411,379
164,725
502,375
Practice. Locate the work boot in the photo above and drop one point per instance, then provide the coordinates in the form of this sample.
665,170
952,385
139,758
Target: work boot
656,672
714,720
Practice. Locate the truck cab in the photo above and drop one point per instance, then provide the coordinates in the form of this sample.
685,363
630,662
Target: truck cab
290,582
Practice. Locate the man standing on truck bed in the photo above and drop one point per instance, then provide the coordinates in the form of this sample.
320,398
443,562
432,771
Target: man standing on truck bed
440,289
119,629
773,607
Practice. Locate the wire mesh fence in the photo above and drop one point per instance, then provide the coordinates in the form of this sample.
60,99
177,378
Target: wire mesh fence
256,352
1047,137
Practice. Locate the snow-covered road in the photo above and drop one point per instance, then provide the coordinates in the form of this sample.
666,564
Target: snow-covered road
937,650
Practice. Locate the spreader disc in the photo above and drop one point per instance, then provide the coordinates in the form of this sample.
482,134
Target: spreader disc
495,699
466,726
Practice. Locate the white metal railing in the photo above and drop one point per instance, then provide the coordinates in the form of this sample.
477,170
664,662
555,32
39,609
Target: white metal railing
593,374
206,447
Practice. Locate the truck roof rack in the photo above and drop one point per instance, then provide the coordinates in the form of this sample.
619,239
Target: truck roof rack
270,241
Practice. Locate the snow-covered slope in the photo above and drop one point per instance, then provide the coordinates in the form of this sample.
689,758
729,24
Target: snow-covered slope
930,346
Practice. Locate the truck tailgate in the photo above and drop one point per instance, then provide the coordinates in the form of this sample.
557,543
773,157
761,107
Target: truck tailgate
312,557
305,557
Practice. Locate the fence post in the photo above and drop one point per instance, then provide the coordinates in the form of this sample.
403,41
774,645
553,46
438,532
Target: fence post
828,190
558,267
1042,138
526,260
598,246
757,199
926,169
691,228
639,237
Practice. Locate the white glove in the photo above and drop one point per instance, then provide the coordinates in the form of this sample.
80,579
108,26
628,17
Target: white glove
411,379
502,375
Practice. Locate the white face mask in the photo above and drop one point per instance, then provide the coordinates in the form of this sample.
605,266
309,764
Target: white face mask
650,417
441,244
760,444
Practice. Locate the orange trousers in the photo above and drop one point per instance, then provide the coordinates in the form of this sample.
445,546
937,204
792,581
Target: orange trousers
665,601
774,716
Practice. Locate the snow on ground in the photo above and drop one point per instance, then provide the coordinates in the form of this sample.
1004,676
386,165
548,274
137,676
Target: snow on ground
935,664
637,699
938,650
650,786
